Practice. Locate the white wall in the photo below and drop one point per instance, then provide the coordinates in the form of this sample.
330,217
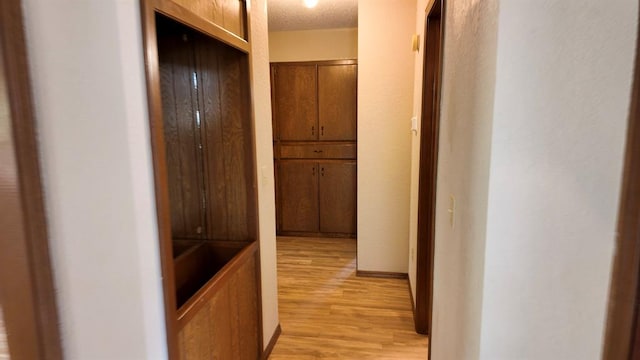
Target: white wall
385,95
90,101
562,97
91,107
264,160
313,45
463,171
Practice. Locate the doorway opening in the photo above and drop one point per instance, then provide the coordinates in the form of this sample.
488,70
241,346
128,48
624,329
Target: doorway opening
429,136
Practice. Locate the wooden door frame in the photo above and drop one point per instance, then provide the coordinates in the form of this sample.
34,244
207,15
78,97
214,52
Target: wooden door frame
429,139
622,335
28,296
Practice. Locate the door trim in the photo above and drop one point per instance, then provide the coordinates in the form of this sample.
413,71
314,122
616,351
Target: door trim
622,329
32,326
429,139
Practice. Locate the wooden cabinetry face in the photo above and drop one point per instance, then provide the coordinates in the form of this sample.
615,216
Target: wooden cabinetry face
298,195
337,194
296,102
315,116
337,103
228,14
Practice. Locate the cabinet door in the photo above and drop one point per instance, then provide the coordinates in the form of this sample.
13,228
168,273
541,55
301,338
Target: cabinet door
295,102
298,195
338,197
337,101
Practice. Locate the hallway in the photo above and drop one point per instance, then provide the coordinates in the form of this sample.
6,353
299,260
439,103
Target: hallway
326,312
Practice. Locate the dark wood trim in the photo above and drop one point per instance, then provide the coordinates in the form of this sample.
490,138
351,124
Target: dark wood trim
323,62
186,17
428,173
160,175
381,274
272,343
622,331
30,312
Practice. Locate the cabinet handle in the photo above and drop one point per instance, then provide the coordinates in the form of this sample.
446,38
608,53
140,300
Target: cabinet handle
317,151
314,171
322,131
322,171
313,130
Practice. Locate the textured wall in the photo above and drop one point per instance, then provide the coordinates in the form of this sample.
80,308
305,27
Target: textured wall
310,45
463,171
385,94
562,95
264,159
91,109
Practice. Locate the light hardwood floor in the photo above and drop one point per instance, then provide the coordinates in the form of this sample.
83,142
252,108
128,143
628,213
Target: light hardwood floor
326,312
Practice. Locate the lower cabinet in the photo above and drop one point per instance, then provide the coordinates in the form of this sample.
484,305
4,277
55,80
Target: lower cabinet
317,196
222,320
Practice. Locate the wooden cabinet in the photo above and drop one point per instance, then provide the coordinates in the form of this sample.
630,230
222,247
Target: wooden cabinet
314,114
296,102
315,102
337,197
204,170
337,103
317,196
298,195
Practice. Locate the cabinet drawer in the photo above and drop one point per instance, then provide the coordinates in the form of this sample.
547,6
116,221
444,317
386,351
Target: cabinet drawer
318,151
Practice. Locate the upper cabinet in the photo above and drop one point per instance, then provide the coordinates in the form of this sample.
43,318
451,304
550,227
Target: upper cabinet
337,105
296,102
315,102
228,14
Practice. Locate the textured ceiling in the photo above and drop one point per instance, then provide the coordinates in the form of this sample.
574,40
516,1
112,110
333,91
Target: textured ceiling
287,15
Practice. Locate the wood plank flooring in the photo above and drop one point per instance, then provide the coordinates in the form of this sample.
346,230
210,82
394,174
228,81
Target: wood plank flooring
326,312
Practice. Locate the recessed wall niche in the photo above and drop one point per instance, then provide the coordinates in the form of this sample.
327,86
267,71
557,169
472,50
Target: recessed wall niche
203,144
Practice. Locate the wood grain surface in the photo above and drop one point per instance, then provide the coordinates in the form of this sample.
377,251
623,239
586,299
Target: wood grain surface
326,312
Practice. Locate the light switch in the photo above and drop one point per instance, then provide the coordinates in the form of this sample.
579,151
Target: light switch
414,125
452,210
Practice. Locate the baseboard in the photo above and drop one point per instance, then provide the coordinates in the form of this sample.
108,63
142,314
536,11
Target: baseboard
382,274
272,343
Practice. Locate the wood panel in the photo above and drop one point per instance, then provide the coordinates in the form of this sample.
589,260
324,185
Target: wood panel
228,14
296,102
298,195
337,193
209,88
337,102
182,135
236,128
317,151
227,325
